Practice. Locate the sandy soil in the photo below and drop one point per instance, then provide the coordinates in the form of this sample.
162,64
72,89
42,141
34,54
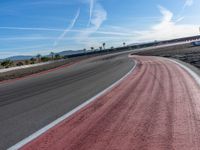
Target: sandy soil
186,53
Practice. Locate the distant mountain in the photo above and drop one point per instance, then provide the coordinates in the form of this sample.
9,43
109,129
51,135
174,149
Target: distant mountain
23,57
70,52
14,58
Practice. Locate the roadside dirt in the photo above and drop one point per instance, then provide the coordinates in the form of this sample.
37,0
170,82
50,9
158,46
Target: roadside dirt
186,53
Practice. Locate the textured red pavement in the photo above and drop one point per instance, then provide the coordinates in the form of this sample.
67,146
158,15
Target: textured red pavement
157,108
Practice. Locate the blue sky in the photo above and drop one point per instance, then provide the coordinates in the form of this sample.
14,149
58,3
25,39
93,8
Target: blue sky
29,27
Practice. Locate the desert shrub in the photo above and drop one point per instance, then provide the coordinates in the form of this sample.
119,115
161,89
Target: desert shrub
7,63
57,56
19,63
45,59
26,62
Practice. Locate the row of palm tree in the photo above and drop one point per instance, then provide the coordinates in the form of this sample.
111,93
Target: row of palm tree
103,47
100,48
53,56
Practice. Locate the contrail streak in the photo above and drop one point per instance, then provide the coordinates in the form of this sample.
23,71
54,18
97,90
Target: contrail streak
33,29
91,11
59,30
68,29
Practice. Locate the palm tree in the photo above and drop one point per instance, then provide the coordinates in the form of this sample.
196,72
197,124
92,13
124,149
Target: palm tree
52,55
92,48
104,45
124,44
38,57
57,56
100,48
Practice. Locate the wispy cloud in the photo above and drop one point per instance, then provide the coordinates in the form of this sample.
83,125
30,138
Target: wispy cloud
98,16
188,3
68,28
166,19
24,48
167,28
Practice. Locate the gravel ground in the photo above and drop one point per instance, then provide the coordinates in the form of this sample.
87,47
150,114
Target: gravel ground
186,53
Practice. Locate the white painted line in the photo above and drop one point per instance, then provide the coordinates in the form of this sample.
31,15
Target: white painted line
192,73
57,121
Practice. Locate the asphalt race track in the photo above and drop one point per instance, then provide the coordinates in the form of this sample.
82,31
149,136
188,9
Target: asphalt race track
157,107
28,104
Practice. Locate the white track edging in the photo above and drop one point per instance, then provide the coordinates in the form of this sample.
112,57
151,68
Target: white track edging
192,73
62,118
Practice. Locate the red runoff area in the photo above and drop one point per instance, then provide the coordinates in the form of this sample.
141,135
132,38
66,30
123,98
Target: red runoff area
157,107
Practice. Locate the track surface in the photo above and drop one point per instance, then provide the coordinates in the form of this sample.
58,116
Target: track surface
28,104
157,107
